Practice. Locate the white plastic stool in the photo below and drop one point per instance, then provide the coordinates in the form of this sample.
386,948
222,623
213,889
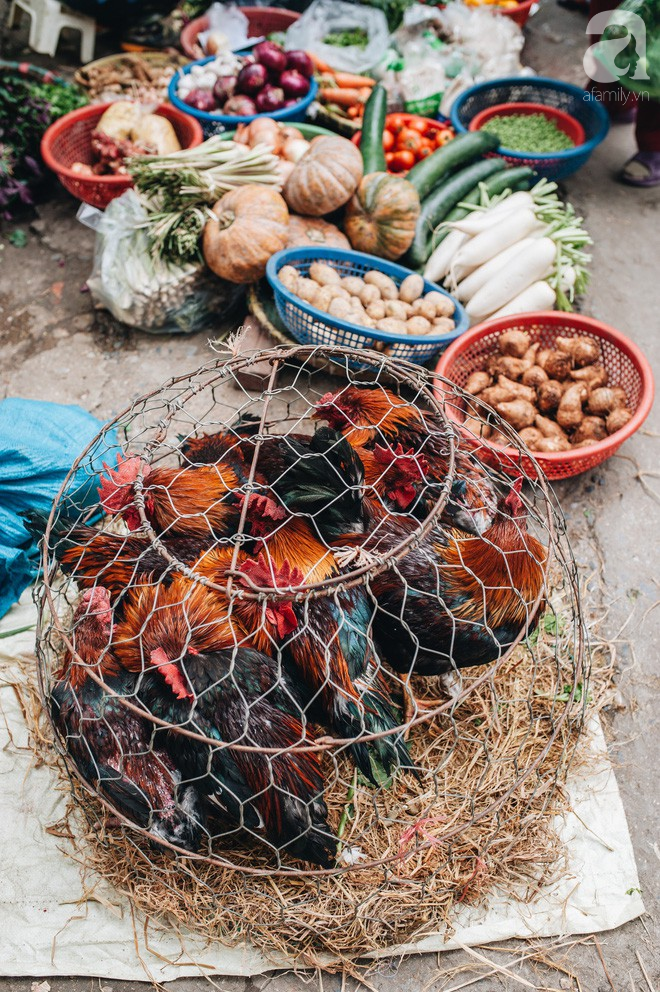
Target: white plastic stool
47,18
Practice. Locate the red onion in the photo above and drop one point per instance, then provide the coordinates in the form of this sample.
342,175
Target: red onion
270,55
224,88
294,83
271,98
201,100
251,79
291,103
240,106
300,61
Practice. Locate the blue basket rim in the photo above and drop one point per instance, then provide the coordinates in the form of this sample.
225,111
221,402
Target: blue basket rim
280,259
546,82
202,115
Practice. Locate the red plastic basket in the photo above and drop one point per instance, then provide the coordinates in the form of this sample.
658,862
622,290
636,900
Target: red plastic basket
625,363
68,140
261,21
520,14
569,125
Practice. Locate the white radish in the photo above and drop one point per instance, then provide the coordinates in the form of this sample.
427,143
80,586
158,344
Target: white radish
484,246
438,264
527,266
538,296
479,220
479,277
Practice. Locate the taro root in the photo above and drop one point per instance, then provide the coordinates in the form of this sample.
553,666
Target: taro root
513,343
549,395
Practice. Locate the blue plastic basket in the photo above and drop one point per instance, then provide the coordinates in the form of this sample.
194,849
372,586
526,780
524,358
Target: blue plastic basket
218,123
535,89
311,326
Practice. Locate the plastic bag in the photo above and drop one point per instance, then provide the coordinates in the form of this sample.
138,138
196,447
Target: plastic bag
153,296
229,26
39,442
443,51
324,17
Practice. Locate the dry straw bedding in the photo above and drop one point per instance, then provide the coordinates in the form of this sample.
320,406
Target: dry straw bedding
470,826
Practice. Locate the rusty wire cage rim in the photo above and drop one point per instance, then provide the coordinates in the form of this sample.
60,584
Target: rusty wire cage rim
402,372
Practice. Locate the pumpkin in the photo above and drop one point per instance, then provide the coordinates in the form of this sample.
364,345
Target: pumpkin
381,217
305,231
251,223
325,178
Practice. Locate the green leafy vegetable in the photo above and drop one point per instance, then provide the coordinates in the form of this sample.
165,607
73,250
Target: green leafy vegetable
358,38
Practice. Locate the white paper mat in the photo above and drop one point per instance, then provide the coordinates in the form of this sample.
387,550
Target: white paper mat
49,927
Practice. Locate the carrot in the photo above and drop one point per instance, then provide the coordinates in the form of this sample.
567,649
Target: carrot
347,80
343,98
318,63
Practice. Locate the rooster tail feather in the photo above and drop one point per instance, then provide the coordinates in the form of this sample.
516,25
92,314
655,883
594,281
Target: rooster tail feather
390,751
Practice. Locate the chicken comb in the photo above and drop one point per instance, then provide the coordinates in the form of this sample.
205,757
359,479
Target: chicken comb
171,673
411,464
116,488
513,502
263,506
263,573
96,602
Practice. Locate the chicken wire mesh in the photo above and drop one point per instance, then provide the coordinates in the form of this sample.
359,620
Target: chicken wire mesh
309,653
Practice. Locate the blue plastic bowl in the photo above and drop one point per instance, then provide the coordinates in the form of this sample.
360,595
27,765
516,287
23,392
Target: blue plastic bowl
553,93
218,123
315,327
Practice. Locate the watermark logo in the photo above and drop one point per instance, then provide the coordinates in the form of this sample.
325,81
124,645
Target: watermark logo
621,54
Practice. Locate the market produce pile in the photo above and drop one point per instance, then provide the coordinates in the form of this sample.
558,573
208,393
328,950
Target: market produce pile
555,398
528,133
269,79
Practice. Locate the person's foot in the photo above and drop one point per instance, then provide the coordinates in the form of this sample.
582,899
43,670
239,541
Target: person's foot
643,169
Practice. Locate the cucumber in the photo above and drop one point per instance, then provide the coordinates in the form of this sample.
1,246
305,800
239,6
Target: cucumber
455,155
522,177
443,199
373,125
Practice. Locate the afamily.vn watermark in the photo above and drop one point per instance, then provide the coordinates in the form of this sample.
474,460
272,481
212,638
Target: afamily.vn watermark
620,54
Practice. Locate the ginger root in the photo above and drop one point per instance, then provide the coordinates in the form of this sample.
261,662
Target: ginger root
617,419
591,428
518,413
513,343
476,382
534,376
583,350
569,411
549,395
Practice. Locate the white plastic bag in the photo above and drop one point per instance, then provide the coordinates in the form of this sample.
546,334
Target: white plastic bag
229,22
328,16
153,296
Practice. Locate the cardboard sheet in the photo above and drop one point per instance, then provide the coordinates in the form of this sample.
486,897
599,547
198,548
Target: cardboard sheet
49,927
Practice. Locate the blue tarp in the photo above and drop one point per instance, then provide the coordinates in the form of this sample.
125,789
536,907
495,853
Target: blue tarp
39,443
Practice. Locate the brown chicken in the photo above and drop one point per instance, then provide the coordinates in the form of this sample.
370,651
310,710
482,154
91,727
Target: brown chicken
331,647
113,747
367,416
194,501
198,670
454,600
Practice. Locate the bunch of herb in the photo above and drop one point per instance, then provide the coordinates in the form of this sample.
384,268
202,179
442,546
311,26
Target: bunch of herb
179,189
357,37
26,110
393,10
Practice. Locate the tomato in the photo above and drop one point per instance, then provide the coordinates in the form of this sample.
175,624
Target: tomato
443,137
397,121
388,141
418,124
400,161
425,152
409,140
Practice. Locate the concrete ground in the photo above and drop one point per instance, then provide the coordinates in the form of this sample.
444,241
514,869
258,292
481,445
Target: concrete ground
52,348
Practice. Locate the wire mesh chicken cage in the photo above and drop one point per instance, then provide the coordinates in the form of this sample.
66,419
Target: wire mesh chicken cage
304,649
